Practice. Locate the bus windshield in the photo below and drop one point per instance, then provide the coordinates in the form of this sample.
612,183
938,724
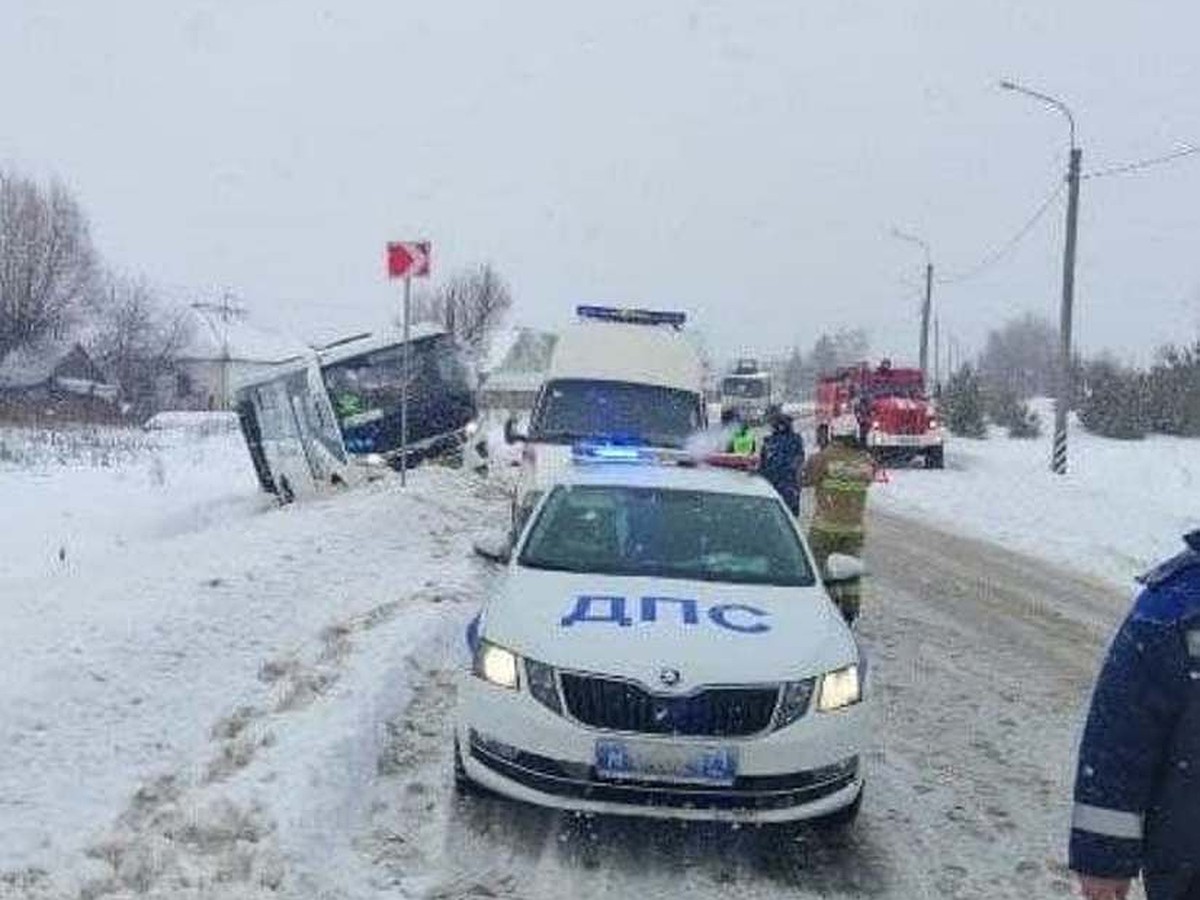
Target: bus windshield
571,410
367,390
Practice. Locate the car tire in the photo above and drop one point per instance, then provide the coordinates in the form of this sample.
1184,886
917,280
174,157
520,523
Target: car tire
463,785
935,458
285,493
822,436
839,822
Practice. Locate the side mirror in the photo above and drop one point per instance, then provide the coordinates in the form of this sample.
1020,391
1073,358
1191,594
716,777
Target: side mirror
511,435
495,549
840,568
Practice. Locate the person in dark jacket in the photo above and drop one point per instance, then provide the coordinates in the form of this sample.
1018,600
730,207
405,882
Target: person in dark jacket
782,460
1137,788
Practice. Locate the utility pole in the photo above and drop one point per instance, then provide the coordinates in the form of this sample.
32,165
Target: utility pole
926,310
227,310
927,304
1062,398
1063,387
937,356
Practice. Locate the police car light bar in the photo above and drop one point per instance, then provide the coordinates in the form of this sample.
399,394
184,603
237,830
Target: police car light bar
632,316
598,452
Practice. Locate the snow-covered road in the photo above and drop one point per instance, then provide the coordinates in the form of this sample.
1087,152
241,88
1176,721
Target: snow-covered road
257,703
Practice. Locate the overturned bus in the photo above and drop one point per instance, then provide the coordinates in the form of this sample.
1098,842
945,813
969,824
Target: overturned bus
335,417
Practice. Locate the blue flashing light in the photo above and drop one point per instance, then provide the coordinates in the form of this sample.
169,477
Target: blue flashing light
629,454
632,316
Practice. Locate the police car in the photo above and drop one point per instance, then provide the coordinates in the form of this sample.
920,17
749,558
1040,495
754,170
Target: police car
661,645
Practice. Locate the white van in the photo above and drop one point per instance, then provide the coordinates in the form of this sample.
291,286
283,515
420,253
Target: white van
615,375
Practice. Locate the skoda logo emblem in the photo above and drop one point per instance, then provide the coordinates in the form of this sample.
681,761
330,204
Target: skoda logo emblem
670,677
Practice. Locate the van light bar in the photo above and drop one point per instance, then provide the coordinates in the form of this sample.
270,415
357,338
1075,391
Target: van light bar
632,316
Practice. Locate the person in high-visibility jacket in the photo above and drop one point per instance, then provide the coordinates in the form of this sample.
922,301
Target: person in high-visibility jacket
1137,787
840,476
744,441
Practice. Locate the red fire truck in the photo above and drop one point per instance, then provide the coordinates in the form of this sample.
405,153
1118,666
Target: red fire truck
888,409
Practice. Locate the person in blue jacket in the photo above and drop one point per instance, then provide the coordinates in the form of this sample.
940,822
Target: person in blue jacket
782,459
1137,787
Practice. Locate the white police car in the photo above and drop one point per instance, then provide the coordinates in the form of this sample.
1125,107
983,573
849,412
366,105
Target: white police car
661,646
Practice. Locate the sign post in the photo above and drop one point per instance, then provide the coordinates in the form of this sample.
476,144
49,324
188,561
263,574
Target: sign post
407,260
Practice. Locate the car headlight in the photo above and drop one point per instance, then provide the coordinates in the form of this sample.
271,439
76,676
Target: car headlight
543,685
794,701
839,689
495,664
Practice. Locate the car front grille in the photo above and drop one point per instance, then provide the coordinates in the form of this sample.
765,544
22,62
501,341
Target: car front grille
616,705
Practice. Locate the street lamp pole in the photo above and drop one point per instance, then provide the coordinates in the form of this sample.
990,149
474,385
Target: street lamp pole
927,305
1062,393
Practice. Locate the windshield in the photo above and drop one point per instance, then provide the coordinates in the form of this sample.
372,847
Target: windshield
369,387
667,533
571,410
748,388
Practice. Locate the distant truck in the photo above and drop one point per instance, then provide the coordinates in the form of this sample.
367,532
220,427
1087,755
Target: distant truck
886,406
746,392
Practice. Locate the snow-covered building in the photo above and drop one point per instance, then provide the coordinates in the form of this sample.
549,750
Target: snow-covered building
519,363
55,379
223,352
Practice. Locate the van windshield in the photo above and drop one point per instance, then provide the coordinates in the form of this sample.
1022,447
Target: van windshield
571,410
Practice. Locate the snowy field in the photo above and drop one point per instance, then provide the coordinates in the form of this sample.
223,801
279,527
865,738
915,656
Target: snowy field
1122,506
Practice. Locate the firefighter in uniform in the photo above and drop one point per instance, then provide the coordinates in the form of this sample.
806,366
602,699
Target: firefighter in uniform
840,475
1137,787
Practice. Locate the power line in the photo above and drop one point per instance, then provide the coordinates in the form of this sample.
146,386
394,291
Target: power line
1008,246
1137,166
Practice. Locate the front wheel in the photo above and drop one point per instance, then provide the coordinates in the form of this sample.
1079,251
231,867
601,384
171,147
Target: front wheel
463,785
822,436
842,820
935,458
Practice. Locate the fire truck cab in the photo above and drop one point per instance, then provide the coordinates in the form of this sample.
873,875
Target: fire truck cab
886,406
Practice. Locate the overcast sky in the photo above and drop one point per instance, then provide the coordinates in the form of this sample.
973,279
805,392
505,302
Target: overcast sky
744,160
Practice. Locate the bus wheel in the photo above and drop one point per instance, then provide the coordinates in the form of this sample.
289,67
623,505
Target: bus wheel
286,495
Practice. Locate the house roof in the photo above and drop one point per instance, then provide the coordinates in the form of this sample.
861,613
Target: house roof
246,342
35,364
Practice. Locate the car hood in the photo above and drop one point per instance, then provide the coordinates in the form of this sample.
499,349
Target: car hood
636,627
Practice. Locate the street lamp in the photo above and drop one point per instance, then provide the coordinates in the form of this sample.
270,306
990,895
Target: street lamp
926,307
1062,399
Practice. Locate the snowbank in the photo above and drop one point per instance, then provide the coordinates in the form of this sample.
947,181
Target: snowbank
1122,506
173,645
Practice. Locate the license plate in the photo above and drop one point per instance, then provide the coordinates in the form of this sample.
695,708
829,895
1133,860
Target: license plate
901,440
670,763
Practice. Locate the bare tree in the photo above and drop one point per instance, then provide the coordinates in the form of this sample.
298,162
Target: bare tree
1021,357
138,340
470,305
47,262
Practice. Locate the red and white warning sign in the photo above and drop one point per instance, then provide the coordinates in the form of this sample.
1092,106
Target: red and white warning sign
408,259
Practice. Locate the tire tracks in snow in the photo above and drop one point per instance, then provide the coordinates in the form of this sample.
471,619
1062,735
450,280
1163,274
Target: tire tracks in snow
199,832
